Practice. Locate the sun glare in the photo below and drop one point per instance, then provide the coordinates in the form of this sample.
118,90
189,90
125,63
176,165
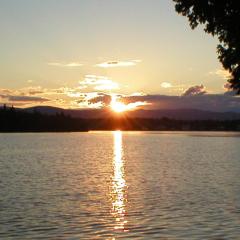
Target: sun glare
118,193
117,106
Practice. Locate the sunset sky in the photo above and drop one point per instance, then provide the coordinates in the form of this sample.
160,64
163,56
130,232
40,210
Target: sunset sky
81,53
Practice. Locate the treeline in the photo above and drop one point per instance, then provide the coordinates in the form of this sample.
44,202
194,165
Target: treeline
12,120
163,124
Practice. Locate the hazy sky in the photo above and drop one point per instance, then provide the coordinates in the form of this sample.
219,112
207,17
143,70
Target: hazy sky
61,49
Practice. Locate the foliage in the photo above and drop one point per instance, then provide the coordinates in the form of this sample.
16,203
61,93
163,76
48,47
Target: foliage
221,18
13,120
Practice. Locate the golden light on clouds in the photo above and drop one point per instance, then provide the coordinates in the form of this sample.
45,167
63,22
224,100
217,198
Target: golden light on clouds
111,64
221,73
119,107
99,83
70,65
166,85
106,84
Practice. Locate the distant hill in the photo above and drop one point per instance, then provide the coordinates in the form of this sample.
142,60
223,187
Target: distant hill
178,114
49,119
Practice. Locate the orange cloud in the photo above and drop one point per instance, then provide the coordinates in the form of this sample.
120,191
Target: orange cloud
99,83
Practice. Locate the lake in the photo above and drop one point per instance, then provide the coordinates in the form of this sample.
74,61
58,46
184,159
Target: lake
120,185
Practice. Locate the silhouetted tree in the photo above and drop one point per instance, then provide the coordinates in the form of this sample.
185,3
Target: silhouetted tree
222,19
16,120
12,109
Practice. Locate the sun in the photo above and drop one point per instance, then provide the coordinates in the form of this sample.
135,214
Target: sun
120,107
117,106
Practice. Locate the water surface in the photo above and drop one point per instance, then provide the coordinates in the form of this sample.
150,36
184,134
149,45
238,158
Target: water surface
120,185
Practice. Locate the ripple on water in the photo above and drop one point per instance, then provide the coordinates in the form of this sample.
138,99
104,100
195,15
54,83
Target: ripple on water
114,185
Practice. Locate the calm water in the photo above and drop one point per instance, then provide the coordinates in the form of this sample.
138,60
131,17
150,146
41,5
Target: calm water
114,185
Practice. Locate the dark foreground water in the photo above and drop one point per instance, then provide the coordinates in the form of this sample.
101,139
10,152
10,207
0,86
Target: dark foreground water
112,185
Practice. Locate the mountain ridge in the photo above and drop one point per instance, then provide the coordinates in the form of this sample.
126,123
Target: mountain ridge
178,114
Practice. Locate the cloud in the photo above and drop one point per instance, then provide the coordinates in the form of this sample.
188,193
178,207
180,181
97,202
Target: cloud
23,91
4,91
99,83
138,94
195,90
68,65
221,73
193,98
24,98
229,90
36,95
105,99
93,100
166,85
207,102
137,104
227,86
73,93
173,87
32,90
115,63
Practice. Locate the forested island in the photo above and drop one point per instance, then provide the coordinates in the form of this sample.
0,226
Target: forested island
12,120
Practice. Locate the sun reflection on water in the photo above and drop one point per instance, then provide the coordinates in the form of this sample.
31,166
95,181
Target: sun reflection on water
118,197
